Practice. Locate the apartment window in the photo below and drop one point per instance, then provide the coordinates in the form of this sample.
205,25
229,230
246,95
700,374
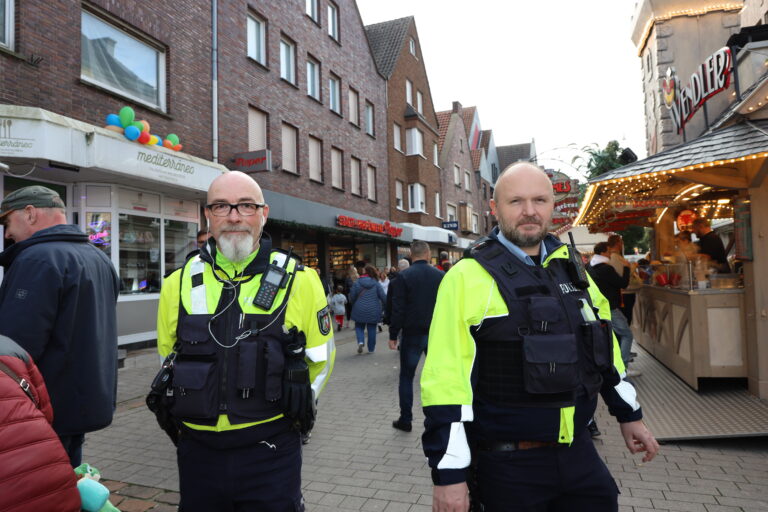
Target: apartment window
257,129
435,155
315,159
399,194
333,21
117,61
450,211
417,201
257,39
408,91
6,23
312,10
354,107
412,46
414,142
370,176
290,155
287,60
337,157
369,120
396,137
467,180
437,205
313,78
475,223
456,175
334,93
419,102
354,176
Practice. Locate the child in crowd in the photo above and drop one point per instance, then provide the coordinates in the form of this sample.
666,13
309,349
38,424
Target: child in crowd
338,303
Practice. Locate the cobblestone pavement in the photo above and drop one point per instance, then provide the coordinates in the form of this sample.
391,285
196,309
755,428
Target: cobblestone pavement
357,461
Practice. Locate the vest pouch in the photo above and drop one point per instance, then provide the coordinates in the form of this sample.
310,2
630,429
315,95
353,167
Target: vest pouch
550,363
247,359
273,385
194,336
194,390
543,312
599,343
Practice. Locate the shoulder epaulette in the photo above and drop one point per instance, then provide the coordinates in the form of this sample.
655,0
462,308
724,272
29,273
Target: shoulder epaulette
477,245
283,253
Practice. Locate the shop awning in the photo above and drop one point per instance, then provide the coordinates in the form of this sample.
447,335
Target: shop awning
732,158
431,233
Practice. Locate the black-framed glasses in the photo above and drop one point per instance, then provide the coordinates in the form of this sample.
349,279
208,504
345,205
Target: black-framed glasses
244,209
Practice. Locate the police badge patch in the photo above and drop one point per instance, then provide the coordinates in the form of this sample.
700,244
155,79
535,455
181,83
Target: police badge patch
324,320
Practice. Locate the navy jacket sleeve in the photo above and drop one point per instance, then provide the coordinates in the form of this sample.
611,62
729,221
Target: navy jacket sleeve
397,316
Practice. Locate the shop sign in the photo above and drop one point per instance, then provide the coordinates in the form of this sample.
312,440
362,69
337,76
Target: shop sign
451,224
685,220
566,194
625,203
713,76
31,138
253,161
384,228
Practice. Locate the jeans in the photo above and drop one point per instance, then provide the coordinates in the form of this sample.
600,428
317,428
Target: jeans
73,445
411,348
623,332
359,330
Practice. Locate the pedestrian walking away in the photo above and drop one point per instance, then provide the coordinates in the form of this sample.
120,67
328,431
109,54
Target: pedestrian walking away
58,301
248,331
413,300
519,347
368,301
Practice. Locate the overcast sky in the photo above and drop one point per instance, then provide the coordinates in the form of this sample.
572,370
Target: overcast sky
558,71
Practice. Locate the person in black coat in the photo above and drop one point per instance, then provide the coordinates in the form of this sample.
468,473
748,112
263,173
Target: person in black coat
413,301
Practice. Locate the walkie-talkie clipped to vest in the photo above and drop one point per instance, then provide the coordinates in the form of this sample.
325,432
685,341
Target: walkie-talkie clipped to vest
576,266
274,278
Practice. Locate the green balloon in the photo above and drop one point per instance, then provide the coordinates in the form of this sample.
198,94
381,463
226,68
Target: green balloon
139,125
127,116
173,138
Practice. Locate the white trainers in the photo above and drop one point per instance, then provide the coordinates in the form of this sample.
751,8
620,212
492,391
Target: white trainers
634,373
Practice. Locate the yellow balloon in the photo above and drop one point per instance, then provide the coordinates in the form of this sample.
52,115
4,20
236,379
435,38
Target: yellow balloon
152,140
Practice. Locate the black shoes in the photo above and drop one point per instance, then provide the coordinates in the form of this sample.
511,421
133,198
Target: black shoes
593,430
401,425
359,348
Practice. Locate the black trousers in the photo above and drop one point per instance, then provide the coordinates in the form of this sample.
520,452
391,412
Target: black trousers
548,479
236,471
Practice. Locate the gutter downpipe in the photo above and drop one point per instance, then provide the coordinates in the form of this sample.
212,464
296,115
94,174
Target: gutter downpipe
215,80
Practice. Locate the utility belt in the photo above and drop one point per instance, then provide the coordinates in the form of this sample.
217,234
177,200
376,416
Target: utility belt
513,446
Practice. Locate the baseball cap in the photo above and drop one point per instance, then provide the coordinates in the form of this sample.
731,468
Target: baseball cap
35,195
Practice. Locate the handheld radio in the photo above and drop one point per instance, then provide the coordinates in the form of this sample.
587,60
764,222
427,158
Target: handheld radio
576,266
274,278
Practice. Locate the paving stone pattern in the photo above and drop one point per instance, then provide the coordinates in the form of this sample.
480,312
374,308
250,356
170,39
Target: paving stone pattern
357,461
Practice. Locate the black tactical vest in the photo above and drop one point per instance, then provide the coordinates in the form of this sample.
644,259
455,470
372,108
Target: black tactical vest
544,352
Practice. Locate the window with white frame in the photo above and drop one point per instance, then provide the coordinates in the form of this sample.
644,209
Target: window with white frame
412,46
369,119
396,136
313,78
354,176
456,175
475,223
116,60
450,212
290,154
287,60
312,10
399,194
435,155
334,93
333,21
419,102
408,91
417,200
414,142
315,159
354,107
437,205
257,39
257,129
337,157
467,180
370,178
6,23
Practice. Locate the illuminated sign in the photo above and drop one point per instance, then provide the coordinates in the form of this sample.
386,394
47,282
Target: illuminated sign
384,228
627,203
713,76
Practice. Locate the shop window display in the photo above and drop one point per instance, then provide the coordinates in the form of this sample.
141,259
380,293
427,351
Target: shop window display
99,230
180,240
139,254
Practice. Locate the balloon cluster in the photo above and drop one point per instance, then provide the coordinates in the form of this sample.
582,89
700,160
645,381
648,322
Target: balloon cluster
125,123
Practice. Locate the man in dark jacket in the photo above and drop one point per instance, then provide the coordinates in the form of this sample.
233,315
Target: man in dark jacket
413,301
58,301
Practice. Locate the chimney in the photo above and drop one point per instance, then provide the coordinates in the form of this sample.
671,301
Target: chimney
456,107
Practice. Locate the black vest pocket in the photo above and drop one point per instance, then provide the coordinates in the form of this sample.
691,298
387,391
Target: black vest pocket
550,363
543,312
194,336
273,386
194,390
598,339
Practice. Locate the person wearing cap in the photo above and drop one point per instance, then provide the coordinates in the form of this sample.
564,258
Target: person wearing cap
58,302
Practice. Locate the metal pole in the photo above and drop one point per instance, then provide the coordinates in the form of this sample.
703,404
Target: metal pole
215,80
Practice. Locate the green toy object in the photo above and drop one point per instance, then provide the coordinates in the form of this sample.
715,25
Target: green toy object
94,497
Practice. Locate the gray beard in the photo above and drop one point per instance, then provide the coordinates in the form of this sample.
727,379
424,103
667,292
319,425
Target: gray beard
519,239
235,248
